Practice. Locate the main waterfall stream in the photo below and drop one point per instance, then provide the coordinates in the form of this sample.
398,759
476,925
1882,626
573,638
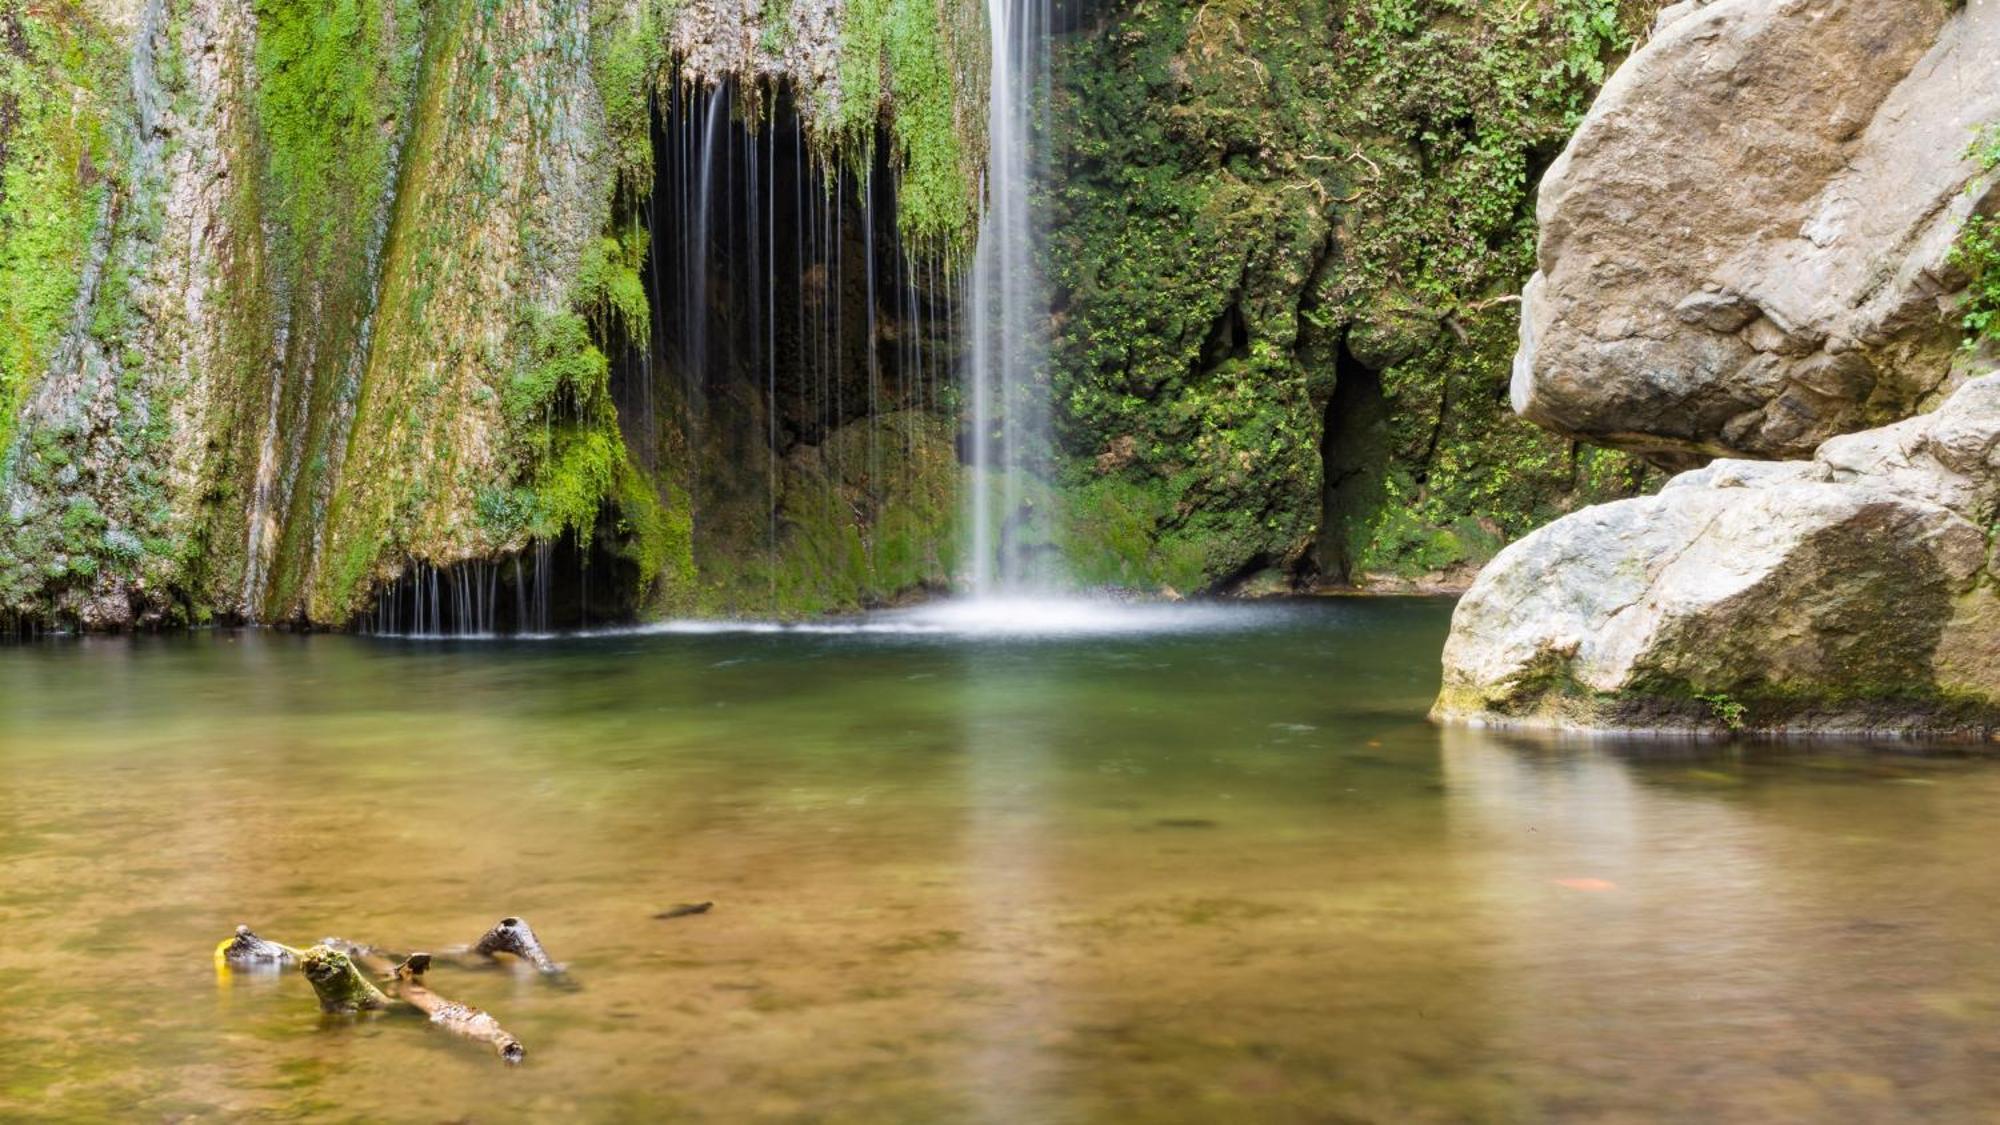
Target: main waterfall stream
1206,866
1009,308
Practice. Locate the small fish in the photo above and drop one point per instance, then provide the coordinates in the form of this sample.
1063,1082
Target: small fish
1587,884
683,909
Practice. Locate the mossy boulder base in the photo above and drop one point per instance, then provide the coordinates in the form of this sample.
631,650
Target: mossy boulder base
1852,592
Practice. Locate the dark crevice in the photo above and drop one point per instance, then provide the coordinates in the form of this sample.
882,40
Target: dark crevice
548,588
1354,451
1228,338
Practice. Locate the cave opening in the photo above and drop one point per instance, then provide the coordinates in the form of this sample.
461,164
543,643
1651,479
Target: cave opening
1354,455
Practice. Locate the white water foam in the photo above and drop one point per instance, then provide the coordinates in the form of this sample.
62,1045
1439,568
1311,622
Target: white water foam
1000,618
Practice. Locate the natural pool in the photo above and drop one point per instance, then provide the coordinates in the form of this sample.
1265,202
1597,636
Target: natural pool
1211,866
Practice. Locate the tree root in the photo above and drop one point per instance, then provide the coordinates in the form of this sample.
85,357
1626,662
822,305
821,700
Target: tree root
334,969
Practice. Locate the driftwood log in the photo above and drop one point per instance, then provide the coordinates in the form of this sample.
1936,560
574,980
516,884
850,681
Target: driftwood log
334,967
512,936
246,950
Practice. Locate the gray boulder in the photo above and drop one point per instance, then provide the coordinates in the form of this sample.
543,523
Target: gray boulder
1744,248
1851,593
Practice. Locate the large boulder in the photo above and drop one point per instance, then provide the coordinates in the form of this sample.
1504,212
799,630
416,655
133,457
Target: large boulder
1744,248
1853,592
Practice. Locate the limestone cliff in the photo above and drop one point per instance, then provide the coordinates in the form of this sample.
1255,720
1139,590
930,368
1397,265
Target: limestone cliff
390,310
300,296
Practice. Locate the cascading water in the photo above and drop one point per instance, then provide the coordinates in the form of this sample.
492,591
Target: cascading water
792,310
1008,312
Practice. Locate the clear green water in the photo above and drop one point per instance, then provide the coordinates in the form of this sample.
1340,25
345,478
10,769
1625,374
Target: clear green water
1227,874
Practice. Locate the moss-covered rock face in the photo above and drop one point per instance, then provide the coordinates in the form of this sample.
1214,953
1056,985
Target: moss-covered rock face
294,295
298,296
1287,237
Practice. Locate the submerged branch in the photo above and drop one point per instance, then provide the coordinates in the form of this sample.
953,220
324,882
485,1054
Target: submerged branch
514,935
334,969
459,1019
245,950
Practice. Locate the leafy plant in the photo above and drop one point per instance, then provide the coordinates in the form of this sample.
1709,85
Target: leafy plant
1977,252
1727,711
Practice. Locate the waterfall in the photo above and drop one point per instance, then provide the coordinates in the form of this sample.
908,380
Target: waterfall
1008,306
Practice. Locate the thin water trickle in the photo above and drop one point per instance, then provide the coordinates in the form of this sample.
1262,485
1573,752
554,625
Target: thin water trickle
695,308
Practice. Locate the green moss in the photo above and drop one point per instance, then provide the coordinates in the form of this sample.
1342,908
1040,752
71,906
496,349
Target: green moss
609,288
895,65
338,983
1110,537
777,20
659,535
55,151
471,128
628,57
571,462
847,534
1725,709
330,74
337,96
1254,195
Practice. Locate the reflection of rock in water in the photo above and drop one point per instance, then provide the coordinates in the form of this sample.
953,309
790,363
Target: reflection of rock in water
1685,935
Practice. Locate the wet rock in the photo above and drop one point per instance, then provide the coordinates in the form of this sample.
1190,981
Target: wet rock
1739,257
1851,592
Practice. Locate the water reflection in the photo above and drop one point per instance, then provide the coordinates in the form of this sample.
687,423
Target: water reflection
1006,757
1707,933
1220,874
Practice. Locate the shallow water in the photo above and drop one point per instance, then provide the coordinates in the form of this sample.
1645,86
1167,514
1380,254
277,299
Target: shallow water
1222,872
